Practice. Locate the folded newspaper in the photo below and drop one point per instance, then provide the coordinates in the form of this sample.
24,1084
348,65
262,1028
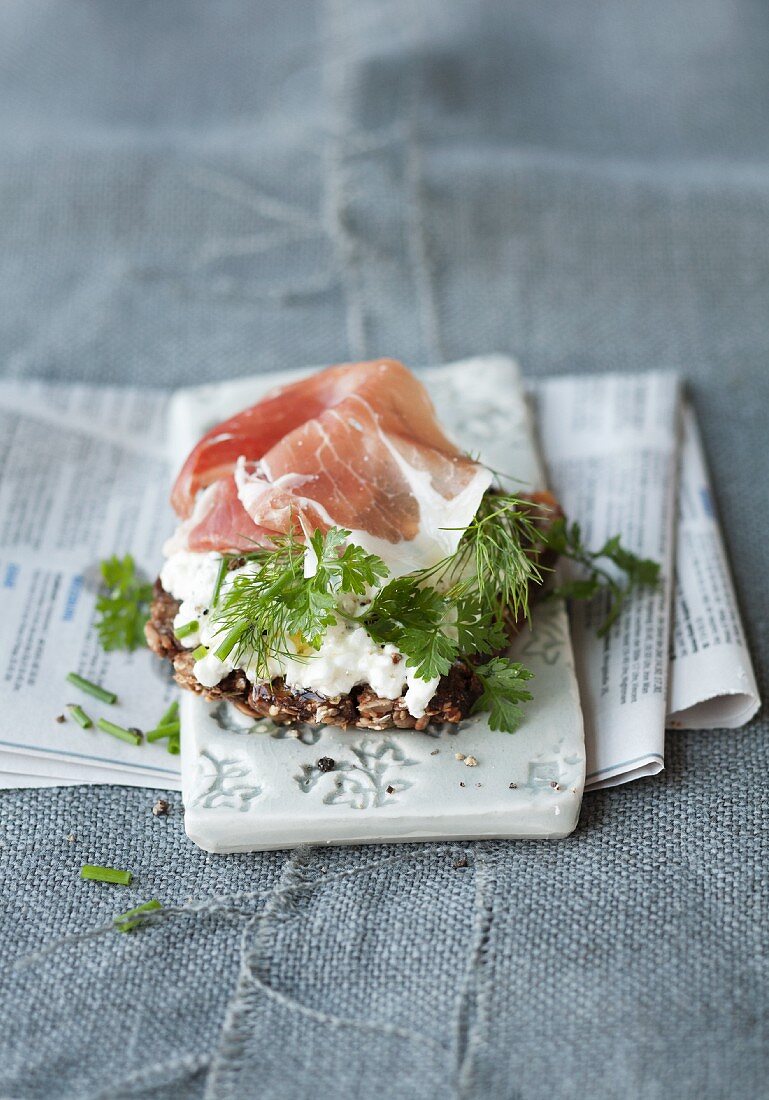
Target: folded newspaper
85,472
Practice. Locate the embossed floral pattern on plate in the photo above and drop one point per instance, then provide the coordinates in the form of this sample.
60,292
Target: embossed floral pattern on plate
368,780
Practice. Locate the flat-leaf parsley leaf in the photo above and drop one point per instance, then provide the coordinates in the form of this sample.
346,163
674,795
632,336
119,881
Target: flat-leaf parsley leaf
565,540
348,570
124,607
503,693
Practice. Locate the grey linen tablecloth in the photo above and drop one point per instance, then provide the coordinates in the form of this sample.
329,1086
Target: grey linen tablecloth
193,190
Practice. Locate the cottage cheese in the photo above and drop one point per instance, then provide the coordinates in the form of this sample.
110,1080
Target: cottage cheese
347,657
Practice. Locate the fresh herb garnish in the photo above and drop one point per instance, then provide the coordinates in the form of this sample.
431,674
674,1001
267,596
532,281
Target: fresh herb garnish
105,874
90,688
343,566
432,629
503,693
455,609
169,727
80,716
161,732
125,922
411,616
262,610
171,733
459,608
566,541
499,547
478,629
132,736
224,565
124,607
171,714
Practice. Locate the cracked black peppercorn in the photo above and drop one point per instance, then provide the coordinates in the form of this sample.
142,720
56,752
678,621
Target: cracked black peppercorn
326,764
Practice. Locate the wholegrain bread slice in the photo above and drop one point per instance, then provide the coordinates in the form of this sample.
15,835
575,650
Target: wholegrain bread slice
361,707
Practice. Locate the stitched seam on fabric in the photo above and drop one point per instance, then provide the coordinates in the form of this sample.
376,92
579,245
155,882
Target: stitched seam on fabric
172,1072
225,905
336,179
247,244
268,206
233,1036
282,904
418,249
471,1023
373,141
285,897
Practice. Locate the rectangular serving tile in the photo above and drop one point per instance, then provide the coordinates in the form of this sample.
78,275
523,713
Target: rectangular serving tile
251,786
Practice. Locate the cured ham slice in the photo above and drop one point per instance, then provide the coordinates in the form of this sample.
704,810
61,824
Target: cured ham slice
251,433
219,522
356,446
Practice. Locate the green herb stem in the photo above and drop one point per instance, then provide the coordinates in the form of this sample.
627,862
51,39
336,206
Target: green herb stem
133,918
182,632
223,568
133,737
233,637
166,730
90,688
566,540
171,714
80,716
199,653
96,873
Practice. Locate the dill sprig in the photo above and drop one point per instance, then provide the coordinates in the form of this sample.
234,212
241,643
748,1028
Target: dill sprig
500,545
255,614
458,607
264,610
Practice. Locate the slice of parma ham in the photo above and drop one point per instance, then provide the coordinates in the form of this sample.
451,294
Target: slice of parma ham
218,522
355,446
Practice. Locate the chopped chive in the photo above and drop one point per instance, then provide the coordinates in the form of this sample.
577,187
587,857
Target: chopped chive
173,744
187,629
171,714
96,690
134,737
79,715
219,578
232,639
124,923
105,874
200,652
162,731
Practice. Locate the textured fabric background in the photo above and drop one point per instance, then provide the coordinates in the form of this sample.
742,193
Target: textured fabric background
192,190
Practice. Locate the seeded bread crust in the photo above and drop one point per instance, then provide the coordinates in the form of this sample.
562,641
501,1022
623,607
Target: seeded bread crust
361,707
